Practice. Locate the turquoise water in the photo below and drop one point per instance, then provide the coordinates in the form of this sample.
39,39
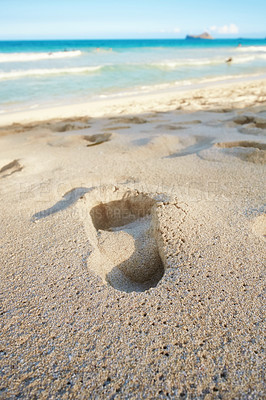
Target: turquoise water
39,73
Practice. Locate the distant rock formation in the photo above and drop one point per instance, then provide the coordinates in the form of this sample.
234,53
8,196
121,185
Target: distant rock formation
204,35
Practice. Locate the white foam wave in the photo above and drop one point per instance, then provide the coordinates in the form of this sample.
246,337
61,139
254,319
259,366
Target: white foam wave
43,72
252,49
20,57
241,60
186,62
168,65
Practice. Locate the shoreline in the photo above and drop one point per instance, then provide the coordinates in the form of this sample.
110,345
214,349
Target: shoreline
204,97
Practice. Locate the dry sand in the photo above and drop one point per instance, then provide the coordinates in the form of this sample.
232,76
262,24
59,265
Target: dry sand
133,248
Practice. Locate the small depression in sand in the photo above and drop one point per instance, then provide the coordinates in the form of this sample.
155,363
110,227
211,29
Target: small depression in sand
94,140
10,168
127,242
73,140
246,144
250,125
254,152
249,119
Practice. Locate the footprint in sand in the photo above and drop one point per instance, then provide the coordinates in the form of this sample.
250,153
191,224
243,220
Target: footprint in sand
94,140
168,127
229,145
116,128
254,152
128,120
243,119
10,168
259,122
251,129
122,232
193,122
68,125
250,125
73,140
51,125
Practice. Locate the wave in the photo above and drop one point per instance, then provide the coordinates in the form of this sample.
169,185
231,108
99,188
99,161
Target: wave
123,68
186,62
252,49
243,60
45,72
240,60
19,57
215,61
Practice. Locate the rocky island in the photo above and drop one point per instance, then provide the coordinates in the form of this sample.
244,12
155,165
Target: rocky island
204,35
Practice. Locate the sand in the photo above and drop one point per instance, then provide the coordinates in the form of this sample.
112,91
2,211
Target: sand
132,247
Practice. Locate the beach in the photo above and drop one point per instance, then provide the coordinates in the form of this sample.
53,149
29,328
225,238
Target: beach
133,246
46,74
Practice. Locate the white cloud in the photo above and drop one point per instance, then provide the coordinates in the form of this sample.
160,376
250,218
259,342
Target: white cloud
226,29
177,30
232,28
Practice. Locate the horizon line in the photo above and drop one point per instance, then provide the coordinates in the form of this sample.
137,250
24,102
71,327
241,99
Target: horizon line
137,38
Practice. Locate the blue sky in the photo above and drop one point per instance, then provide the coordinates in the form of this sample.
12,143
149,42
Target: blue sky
93,19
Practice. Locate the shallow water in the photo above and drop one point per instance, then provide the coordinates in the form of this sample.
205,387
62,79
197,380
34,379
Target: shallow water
38,73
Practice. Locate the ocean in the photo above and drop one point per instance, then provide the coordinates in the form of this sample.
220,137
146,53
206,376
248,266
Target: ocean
36,74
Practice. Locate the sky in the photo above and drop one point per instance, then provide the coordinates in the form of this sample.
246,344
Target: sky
112,19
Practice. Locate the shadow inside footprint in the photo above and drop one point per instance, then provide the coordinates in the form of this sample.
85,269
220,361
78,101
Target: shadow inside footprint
11,168
65,127
258,122
97,139
126,239
246,144
254,152
128,120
